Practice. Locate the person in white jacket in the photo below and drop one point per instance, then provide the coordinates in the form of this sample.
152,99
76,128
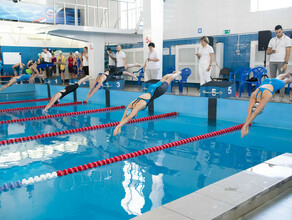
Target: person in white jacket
205,57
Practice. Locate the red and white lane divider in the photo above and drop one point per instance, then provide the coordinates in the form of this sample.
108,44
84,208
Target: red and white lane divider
39,136
62,115
64,172
25,101
40,106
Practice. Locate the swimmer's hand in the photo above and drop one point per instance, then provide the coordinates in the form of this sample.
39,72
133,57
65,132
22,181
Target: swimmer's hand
117,131
244,130
31,80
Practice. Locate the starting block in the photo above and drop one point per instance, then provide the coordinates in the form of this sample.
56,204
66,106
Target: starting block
115,84
217,89
147,84
55,81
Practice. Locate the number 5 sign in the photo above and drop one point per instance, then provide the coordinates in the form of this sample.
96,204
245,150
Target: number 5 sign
148,40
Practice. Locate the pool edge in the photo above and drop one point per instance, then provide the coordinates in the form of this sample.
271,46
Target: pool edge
233,196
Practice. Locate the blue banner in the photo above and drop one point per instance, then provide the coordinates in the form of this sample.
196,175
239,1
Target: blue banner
36,13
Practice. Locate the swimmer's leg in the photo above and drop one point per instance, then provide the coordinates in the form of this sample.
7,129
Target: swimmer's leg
83,80
132,65
170,77
93,88
52,101
130,74
283,76
10,83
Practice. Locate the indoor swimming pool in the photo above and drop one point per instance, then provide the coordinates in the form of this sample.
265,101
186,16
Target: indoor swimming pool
124,189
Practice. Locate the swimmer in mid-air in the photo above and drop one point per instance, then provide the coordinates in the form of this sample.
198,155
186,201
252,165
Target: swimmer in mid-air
109,75
261,96
142,102
30,75
61,94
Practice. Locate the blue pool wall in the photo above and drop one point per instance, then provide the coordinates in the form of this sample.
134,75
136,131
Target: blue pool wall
276,115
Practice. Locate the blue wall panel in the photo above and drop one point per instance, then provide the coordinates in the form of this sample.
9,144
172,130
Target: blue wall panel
277,115
231,59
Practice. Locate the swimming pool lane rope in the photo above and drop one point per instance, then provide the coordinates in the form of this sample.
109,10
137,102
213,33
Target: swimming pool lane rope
62,115
40,106
64,172
57,133
25,101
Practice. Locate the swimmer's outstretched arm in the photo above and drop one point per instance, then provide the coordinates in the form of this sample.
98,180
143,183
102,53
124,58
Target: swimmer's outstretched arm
125,120
10,83
251,116
52,101
93,89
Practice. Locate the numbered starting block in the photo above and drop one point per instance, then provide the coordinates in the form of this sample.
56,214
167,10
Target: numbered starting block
55,81
84,84
114,84
218,89
147,84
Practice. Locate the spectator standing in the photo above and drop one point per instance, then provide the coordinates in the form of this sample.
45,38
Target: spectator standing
85,61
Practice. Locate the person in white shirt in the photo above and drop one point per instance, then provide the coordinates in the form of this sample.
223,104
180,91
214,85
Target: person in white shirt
279,50
122,66
121,58
152,63
85,61
205,57
47,56
111,58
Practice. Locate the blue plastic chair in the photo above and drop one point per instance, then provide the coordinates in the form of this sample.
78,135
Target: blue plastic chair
186,72
258,73
140,76
236,75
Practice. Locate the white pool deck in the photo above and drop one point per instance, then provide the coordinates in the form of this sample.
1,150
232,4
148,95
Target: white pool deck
232,197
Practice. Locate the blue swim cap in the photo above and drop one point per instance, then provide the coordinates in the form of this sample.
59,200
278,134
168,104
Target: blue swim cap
254,108
129,111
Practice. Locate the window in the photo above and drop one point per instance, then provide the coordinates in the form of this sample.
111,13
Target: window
264,5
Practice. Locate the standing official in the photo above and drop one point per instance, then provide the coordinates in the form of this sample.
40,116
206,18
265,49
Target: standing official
279,50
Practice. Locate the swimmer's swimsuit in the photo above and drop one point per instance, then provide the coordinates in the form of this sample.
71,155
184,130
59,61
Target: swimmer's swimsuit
155,90
276,83
68,90
23,77
113,71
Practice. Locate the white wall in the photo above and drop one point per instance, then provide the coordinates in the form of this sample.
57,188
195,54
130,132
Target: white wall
12,35
182,18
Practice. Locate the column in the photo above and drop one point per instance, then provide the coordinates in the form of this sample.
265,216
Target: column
153,28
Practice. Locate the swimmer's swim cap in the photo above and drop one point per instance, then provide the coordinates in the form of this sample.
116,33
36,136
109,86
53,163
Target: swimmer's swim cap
129,111
254,108
28,71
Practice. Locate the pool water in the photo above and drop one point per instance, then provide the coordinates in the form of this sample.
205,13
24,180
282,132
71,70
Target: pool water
128,188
